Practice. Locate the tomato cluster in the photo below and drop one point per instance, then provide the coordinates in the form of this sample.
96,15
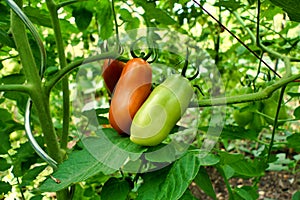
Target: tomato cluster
255,115
144,115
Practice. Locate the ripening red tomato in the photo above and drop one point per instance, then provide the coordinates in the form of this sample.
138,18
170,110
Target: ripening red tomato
111,72
132,89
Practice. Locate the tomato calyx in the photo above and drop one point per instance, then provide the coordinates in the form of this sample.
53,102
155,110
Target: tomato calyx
145,56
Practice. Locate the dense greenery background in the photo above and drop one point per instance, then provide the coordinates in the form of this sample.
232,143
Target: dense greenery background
72,31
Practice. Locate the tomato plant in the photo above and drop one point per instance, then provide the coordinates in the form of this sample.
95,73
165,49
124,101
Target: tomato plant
49,48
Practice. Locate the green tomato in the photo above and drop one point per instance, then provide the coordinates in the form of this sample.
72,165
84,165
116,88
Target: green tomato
243,115
257,123
270,108
161,111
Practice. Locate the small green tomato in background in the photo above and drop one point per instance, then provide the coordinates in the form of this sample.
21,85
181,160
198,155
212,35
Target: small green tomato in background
243,115
270,108
161,111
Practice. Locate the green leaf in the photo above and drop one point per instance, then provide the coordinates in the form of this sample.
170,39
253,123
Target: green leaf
105,19
294,141
151,12
242,166
294,94
297,112
228,158
203,181
208,159
292,7
4,165
296,195
229,4
38,197
115,150
164,156
115,189
4,115
5,143
187,195
31,175
100,111
183,171
249,168
238,133
133,24
246,192
228,171
125,15
38,16
80,166
151,184
13,79
170,182
83,18
160,16
4,187
102,120
6,39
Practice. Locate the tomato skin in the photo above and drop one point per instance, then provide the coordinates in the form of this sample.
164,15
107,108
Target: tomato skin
270,109
132,89
243,116
161,111
257,123
111,72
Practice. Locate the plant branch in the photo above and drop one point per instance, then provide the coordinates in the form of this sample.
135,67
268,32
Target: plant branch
39,98
52,7
275,122
264,94
66,3
15,88
64,71
233,35
259,44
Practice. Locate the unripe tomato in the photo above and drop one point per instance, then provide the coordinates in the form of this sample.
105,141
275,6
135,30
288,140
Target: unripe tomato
257,123
161,111
270,108
132,89
243,116
111,72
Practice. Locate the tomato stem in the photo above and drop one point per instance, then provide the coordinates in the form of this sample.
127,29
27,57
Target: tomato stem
184,69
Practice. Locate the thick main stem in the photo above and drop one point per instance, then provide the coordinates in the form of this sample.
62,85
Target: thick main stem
40,99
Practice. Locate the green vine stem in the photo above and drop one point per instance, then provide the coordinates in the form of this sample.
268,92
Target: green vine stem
36,92
261,95
65,71
15,88
34,88
66,3
259,44
52,7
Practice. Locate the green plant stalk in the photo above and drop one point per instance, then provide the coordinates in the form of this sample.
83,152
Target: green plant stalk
15,88
264,94
259,44
275,122
34,87
38,95
52,7
65,71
